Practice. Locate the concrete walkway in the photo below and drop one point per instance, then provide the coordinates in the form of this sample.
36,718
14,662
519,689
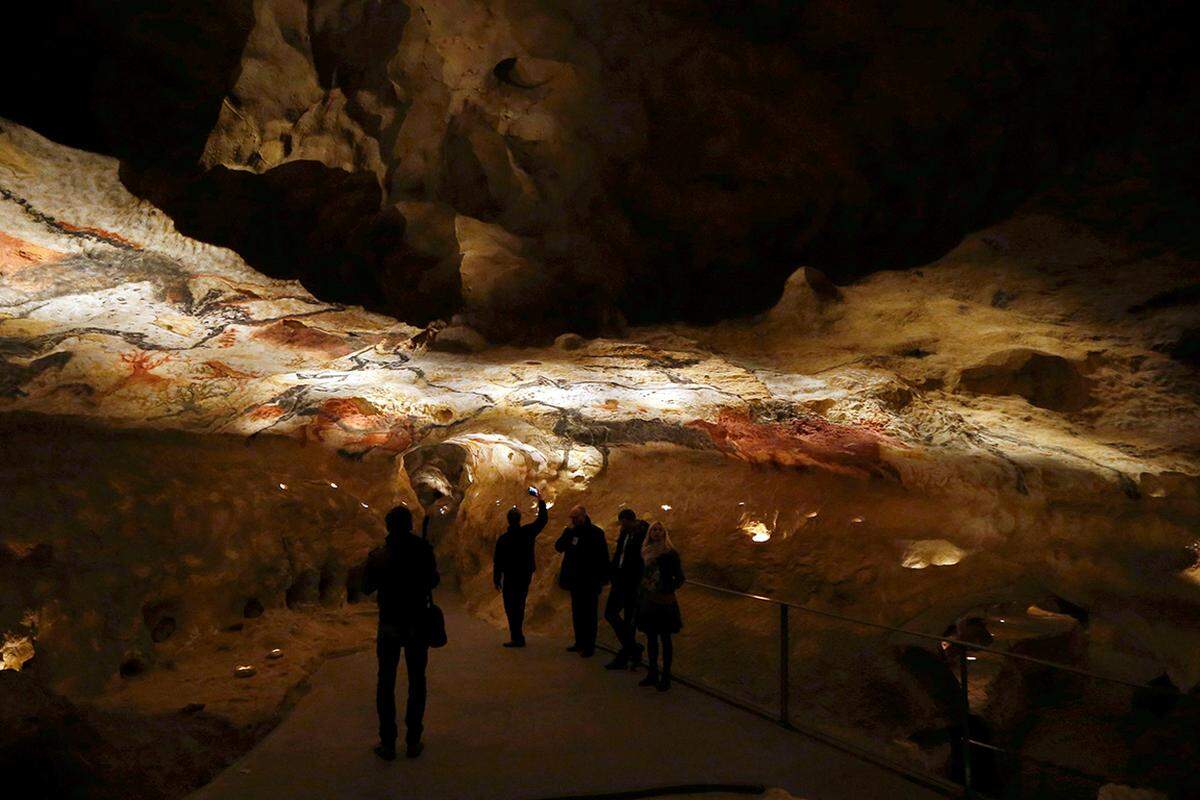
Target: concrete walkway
534,723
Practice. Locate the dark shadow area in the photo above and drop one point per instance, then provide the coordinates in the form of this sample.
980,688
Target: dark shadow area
306,221
138,79
849,138
292,221
948,116
58,749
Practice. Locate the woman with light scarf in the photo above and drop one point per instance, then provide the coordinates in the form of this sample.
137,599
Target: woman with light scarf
658,610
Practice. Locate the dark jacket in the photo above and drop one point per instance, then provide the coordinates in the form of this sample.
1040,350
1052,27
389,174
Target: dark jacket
513,559
662,577
585,564
627,567
404,572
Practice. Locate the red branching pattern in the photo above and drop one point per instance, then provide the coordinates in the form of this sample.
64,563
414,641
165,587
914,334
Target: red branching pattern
141,366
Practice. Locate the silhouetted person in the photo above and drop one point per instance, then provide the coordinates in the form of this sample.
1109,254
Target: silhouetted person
513,566
620,611
584,572
658,610
404,573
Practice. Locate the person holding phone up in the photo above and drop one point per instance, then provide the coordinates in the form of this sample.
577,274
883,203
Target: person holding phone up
513,566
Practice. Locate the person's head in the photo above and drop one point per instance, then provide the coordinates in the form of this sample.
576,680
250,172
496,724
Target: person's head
658,541
398,521
514,517
627,519
578,516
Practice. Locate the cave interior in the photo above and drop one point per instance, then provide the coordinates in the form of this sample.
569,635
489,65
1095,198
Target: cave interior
890,310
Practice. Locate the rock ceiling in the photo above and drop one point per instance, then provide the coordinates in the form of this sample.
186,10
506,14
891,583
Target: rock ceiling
540,167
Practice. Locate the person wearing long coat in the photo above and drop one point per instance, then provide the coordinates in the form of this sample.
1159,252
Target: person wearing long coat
404,573
658,609
585,568
621,608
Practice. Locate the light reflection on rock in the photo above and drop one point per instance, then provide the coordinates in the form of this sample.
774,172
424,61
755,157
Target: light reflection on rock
932,553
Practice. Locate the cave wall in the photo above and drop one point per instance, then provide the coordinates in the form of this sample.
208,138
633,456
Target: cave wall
115,543
914,544
1030,426
993,436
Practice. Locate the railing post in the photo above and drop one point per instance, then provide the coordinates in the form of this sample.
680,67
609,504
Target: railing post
784,668
966,722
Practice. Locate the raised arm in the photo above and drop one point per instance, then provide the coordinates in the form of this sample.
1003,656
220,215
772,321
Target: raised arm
536,526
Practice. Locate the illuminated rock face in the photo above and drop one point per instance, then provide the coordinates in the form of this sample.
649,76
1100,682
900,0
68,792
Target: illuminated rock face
817,454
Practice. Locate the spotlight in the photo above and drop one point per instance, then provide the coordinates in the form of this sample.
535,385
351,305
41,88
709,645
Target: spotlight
757,530
283,487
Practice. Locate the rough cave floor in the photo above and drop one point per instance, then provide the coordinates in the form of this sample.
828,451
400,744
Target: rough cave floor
536,723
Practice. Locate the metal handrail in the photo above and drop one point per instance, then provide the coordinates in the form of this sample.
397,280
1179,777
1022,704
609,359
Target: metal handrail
784,715
930,637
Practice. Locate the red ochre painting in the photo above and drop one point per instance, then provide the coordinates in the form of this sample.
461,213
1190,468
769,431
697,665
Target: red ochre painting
355,424
807,441
18,254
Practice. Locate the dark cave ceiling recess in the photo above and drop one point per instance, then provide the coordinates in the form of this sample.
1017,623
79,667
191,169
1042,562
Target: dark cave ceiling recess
542,166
